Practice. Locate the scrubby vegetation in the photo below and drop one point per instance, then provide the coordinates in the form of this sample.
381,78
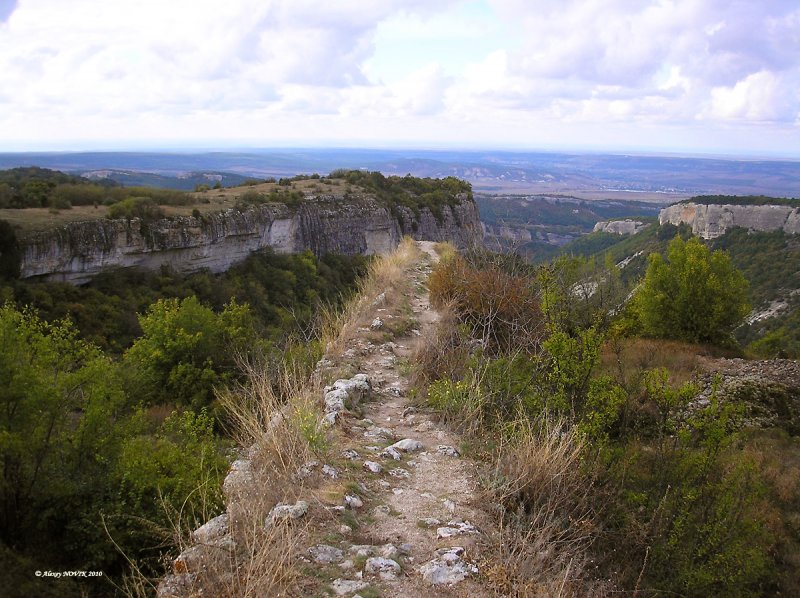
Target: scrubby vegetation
410,192
612,476
42,188
746,200
112,439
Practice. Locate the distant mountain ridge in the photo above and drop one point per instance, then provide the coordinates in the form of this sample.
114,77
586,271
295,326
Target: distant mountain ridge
602,175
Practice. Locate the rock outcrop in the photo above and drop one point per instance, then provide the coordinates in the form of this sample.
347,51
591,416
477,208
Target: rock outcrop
78,251
711,221
620,227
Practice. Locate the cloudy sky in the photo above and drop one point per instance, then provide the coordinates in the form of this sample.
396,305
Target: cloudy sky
699,76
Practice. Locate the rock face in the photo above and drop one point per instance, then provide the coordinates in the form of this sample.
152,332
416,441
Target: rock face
78,251
620,227
711,221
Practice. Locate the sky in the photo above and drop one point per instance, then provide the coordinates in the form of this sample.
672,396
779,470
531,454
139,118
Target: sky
683,76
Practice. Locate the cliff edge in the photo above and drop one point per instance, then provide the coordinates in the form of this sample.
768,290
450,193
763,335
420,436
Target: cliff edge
712,220
324,224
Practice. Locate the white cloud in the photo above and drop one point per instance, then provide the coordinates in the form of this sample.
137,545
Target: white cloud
762,96
501,70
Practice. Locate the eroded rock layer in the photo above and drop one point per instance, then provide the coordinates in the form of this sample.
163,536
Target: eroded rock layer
711,221
78,251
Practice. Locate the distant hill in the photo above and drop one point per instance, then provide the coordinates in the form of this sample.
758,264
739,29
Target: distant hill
591,176
183,181
536,225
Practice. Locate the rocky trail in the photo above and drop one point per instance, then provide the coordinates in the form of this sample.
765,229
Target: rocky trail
411,524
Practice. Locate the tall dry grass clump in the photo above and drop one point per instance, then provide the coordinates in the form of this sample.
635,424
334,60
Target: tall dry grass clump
281,423
547,523
499,305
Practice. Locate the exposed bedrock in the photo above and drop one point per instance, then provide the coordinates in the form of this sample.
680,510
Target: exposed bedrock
78,251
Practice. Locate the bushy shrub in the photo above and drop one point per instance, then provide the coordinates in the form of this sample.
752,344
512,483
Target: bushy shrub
136,207
501,309
695,295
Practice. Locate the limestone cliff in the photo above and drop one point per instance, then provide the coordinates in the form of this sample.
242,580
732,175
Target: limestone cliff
711,221
620,227
78,251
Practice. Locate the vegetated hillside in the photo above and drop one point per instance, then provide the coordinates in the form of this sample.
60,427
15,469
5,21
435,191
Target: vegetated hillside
619,465
538,225
111,424
768,260
188,181
37,199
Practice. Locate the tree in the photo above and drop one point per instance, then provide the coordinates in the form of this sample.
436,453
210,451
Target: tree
186,349
59,399
695,296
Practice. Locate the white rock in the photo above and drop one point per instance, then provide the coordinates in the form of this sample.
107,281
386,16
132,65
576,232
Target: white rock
378,432
239,479
325,554
447,567
334,399
430,522
353,502
212,531
362,550
373,466
377,324
449,505
408,445
284,512
306,469
350,454
330,472
391,453
388,551
386,569
399,472
449,451
425,426
342,587
456,528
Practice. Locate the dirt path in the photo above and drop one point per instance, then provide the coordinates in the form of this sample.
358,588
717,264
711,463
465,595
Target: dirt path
420,508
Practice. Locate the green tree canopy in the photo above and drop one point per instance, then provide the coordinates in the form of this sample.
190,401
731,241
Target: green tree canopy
695,295
186,349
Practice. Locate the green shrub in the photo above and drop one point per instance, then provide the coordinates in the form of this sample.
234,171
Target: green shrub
136,207
695,296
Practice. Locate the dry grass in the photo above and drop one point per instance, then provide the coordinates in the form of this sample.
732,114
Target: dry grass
387,276
776,455
627,358
547,524
443,352
281,434
207,202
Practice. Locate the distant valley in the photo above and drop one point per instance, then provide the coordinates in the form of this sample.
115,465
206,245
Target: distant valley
662,179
